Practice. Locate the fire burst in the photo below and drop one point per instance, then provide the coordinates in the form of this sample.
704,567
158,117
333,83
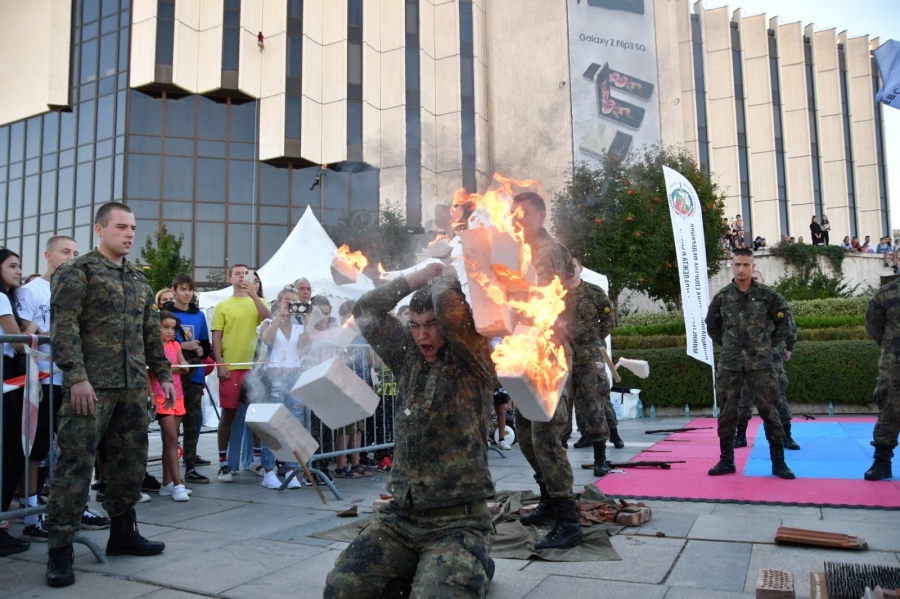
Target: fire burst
354,259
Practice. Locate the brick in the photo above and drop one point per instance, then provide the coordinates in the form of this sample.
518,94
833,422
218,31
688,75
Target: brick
335,393
634,518
280,431
775,584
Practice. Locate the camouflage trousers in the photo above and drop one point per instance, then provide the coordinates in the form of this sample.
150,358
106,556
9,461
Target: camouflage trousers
589,393
887,398
190,422
745,408
121,414
402,554
542,446
730,383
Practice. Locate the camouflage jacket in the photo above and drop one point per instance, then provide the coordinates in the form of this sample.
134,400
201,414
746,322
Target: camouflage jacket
103,326
592,322
789,343
551,258
883,325
748,325
443,409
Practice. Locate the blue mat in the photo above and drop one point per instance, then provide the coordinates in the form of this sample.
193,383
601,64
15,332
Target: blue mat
827,450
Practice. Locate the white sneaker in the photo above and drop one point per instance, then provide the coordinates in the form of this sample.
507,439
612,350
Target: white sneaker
270,480
295,483
225,474
144,498
504,445
179,493
169,490
257,469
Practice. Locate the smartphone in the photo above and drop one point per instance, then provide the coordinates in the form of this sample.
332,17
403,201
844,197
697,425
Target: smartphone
635,6
612,108
622,82
601,140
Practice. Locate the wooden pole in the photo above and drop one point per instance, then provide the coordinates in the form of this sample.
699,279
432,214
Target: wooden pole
310,477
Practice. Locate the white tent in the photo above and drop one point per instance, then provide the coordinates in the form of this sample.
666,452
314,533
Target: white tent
307,252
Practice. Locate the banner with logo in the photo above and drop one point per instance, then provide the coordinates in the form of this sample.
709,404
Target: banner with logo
690,248
613,81
888,57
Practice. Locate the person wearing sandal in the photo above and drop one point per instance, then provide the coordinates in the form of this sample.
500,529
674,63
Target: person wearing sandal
435,537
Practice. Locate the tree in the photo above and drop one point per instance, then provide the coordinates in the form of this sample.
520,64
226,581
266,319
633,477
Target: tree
163,262
386,240
615,216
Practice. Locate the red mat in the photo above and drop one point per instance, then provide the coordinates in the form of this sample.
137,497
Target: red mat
700,449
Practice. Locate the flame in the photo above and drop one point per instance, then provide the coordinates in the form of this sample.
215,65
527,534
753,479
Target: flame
350,322
381,269
437,239
354,259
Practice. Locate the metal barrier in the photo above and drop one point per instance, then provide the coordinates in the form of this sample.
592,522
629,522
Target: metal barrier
12,400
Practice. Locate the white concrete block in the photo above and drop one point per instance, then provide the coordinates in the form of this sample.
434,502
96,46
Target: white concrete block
493,316
342,272
519,381
281,431
336,394
506,262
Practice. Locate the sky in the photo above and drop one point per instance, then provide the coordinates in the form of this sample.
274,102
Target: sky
875,18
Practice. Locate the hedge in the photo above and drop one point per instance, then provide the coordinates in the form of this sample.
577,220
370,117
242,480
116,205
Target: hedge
630,342
843,372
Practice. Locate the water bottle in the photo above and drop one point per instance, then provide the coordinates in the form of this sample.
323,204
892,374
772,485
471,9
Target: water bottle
687,411
640,408
715,410
830,409
652,412
617,407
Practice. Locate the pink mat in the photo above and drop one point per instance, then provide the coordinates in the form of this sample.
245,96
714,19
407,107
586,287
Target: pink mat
700,449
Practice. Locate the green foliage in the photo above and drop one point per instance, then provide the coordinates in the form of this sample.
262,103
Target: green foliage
626,343
663,328
833,334
215,278
163,262
851,306
818,285
386,241
839,371
615,216
805,258
829,322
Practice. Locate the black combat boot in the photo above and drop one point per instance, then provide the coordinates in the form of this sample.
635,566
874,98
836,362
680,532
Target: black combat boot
59,567
726,460
789,443
881,468
779,468
584,441
10,545
566,530
617,441
544,511
124,538
600,466
740,435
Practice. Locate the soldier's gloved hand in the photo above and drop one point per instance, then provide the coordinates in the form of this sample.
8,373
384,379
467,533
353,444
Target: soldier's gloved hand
82,397
169,390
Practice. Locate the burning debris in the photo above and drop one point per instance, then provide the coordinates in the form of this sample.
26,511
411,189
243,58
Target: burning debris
346,265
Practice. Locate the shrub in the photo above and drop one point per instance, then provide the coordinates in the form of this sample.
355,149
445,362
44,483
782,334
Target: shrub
837,306
630,342
828,322
626,343
819,371
833,334
815,286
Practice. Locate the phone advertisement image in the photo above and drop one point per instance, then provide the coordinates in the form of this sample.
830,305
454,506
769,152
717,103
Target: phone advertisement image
612,50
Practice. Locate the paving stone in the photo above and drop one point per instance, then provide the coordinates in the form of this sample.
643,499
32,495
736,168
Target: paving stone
743,509
874,516
554,587
169,594
683,593
712,565
513,580
673,524
881,536
758,529
644,559
302,580
26,580
803,560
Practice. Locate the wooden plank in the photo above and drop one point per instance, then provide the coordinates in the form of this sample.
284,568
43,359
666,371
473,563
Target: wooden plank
802,536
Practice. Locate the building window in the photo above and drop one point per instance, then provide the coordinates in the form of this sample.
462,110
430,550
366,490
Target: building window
848,146
780,171
413,118
741,123
467,93
293,69
879,153
165,31
231,35
354,80
813,129
700,94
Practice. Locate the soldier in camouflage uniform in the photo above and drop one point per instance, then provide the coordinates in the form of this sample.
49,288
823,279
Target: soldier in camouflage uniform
589,385
434,538
748,319
745,409
104,334
883,326
542,442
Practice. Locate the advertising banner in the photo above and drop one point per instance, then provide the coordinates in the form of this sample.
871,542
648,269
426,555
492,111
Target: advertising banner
690,248
612,57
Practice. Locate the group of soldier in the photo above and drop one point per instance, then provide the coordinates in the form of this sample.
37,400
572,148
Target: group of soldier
435,537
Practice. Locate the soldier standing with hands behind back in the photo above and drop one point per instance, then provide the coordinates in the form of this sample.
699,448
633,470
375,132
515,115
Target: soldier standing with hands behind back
748,319
104,336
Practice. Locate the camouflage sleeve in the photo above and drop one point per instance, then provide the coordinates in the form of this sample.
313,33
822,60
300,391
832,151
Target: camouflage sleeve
876,319
154,353
780,313
605,309
458,327
791,340
68,288
381,330
714,320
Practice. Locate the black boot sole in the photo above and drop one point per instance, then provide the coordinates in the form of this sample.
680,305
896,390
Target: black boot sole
792,446
581,443
722,471
134,551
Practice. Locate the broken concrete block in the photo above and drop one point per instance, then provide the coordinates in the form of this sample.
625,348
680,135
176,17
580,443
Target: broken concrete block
775,584
507,256
634,518
335,393
281,431
341,272
516,377
493,316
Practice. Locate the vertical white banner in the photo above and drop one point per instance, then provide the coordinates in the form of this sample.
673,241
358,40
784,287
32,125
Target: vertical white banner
690,248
